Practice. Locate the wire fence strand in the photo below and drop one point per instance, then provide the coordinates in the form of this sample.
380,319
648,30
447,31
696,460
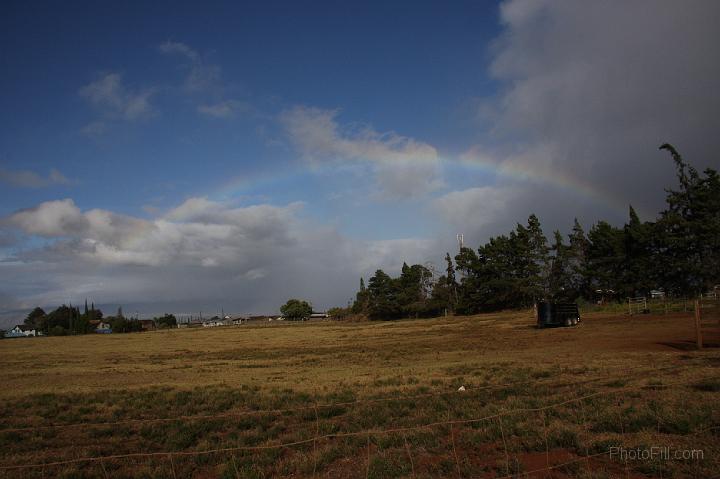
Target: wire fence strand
276,411
374,432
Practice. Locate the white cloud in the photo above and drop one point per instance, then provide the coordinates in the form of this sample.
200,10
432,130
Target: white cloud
475,208
63,219
403,167
31,179
250,258
170,47
223,109
201,76
108,94
50,219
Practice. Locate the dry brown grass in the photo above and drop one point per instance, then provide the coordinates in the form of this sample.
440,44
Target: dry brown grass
644,384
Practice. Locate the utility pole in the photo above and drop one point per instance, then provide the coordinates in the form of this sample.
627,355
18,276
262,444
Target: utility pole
461,241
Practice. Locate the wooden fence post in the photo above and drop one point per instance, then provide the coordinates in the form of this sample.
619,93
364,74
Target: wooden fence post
698,330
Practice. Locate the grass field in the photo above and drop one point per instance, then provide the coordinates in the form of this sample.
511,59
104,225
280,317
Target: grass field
365,399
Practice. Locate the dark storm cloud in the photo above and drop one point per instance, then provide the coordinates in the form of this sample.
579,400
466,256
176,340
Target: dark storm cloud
591,89
588,91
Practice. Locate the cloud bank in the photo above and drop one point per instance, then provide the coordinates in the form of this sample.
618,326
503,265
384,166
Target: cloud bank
247,259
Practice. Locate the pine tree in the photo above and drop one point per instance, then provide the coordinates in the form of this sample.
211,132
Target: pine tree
559,274
688,232
360,306
539,260
451,284
383,301
577,255
639,267
606,257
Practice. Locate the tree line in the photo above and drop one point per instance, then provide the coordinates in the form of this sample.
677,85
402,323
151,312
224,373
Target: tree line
68,320
678,253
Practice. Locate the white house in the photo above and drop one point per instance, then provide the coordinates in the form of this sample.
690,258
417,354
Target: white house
20,331
103,328
212,324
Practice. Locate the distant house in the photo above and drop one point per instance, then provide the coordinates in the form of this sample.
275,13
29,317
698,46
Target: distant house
147,325
20,331
213,323
103,328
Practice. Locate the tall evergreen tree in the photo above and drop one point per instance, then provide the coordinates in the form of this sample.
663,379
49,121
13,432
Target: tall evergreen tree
382,297
469,288
689,230
559,274
639,272
362,299
577,262
539,261
36,318
451,284
606,257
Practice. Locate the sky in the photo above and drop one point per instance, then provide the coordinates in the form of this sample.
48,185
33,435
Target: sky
193,157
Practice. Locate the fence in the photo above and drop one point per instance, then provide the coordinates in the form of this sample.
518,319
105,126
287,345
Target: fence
658,305
637,305
542,412
707,321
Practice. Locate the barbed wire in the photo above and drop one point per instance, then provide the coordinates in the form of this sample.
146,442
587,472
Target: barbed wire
372,432
276,411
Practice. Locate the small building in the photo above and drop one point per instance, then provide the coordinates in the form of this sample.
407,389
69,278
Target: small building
103,328
657,294
147,325
21,331
213,323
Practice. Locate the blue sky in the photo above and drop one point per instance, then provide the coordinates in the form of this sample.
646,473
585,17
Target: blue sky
387,66
263,150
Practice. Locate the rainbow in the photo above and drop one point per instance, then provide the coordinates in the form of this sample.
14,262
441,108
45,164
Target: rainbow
557,179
